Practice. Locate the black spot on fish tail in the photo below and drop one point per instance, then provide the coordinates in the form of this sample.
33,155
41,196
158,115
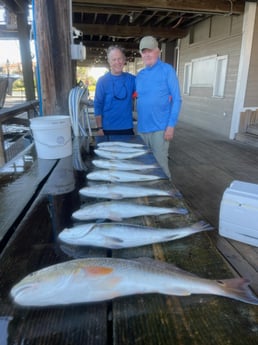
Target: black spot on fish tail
237,288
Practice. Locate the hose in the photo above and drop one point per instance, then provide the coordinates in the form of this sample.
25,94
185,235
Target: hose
77,116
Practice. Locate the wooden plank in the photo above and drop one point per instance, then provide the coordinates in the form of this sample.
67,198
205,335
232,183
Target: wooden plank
244,122
239,255
8,113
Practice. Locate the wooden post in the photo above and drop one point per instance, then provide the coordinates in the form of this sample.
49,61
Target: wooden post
52,21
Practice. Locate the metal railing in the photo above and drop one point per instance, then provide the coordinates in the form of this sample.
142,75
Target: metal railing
16,115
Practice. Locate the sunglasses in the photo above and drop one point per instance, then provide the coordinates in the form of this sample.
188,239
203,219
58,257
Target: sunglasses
120,94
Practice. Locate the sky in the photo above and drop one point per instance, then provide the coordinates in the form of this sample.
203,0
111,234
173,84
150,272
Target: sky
9,50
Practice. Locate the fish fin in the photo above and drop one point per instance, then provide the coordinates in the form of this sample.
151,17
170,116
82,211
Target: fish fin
175,194
114,179
114,242
237,288
164,265
202,226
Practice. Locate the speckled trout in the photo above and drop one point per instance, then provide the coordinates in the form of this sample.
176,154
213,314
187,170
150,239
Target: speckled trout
122,235
120,176
100,279
118,191
119,155
126,165
117,210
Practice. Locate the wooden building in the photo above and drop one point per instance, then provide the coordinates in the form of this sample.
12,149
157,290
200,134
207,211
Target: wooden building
212,44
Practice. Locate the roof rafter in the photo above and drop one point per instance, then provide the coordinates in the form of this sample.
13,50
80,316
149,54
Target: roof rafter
129,31
201,6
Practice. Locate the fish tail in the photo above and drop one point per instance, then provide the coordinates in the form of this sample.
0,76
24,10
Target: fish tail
175,194
202,226
237,288
180,210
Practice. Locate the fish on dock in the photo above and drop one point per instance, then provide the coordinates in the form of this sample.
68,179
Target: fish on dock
123,149
119,143
119,155
118,191
125,165
118,210
122,235
120,176
100,279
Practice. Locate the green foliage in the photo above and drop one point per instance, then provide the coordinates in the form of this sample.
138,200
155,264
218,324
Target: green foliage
18,85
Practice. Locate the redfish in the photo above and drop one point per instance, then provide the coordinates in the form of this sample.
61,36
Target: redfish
120,176
118,191
100,279
122,235
115,210
118,164
119,143
119,155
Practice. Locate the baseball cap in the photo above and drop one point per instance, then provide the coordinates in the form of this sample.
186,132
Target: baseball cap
148,42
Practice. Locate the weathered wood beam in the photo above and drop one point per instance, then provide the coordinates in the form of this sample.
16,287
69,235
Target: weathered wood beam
54,56
17,6
201,6
103,44
130,31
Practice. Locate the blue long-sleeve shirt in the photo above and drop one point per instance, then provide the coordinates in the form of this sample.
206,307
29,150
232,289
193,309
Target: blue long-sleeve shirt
158,97
113,100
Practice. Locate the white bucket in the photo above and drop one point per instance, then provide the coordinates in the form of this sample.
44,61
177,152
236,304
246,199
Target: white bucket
52,136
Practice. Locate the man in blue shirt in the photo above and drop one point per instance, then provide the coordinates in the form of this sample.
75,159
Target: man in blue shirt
158,101
113,101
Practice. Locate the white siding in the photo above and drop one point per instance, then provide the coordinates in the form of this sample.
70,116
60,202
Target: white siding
218,36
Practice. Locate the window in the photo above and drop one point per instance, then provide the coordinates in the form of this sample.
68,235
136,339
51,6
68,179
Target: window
220,76
187,78
208,71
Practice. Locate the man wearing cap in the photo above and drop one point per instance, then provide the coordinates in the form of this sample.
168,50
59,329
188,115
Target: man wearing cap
158,101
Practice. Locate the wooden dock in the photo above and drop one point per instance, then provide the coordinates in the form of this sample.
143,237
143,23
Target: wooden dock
149,319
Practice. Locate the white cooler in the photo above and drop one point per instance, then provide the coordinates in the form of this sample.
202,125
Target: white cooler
238,217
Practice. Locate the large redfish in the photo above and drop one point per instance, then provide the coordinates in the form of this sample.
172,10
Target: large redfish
99,279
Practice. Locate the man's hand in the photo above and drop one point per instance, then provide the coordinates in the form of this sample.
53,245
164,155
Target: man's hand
169,133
